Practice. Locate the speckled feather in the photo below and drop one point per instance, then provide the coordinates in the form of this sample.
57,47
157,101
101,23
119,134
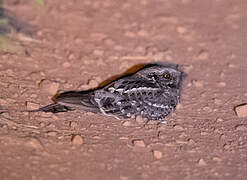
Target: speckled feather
152,92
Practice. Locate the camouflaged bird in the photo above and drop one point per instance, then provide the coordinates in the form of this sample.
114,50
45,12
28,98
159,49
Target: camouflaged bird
152,92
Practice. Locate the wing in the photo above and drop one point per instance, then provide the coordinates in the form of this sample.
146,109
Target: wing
131,84
69,101
131,97
124,97
78,100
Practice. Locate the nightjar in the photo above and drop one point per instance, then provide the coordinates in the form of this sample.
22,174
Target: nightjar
152,92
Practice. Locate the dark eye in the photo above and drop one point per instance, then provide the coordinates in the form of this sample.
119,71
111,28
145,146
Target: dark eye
167,76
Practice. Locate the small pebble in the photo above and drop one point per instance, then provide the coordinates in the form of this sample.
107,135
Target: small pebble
222,75
129,34
191,142
157,154
123,178
93,83
39,33
241,110
181,30
189,84
52,133
217,159
73,125
71,56
51,126
207,109
204,133
77,140
97,36
140,120
197,83
98,52
186,1
140,49
123,138
241,128
126,123
231,65
42,124
218,119
118,48
222,84
217,101
89,113
203,55
3,101
32,106
109,42
189,49
139,143
188,68
181,142
34,143
226,146
178,127
223,136
48,86
201,162
144,175
142,33
66,65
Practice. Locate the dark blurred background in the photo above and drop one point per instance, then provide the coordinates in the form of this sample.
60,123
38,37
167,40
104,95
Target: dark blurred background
10,23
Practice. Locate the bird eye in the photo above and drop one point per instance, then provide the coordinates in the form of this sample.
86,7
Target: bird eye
167,76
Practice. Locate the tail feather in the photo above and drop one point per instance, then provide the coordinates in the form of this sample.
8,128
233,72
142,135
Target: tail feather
3,111
78,100
67,101
54,108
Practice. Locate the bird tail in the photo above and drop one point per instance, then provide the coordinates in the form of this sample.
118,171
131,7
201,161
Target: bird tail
67,101
53,108
76,100
3,111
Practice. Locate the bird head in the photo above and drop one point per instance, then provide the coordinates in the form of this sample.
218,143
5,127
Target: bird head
164,74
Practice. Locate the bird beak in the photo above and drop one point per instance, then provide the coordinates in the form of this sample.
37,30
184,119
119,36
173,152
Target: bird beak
184,75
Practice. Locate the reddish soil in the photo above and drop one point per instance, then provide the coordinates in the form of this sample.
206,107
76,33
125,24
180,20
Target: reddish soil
77,45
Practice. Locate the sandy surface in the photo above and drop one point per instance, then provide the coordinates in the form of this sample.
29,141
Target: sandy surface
76,45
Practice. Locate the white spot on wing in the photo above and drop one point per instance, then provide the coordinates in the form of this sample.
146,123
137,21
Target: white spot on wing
141,89
119,103
119,90
99,105
164,122
158,105
111,89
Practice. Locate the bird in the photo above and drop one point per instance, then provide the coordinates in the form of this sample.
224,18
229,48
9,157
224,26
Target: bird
152,92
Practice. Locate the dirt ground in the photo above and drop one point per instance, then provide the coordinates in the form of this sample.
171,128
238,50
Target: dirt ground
60,45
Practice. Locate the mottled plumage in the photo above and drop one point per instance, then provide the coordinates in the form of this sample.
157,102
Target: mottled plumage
152,92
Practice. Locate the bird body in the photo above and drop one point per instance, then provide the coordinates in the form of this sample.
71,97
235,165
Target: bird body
152,92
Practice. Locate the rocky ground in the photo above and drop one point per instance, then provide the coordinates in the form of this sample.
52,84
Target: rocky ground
60,45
